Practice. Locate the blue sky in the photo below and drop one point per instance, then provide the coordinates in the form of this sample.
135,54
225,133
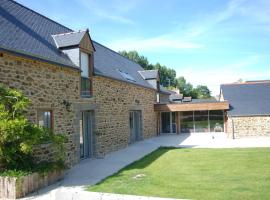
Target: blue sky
208,42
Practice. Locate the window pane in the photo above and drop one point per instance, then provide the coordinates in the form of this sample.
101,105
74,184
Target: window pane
186,122
173,122
165,122
45,119
85,86
216,121
84,65
201,121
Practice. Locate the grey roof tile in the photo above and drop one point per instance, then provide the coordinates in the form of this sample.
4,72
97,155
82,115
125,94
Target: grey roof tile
149,74
108,63
27,32
68,39
247,99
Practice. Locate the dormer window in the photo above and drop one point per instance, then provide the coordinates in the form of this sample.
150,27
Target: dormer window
79,47
86,83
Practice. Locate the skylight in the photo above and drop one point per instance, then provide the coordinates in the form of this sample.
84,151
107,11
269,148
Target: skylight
126,76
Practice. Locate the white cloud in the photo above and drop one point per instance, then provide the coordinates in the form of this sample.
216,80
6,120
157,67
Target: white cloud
116,13
210,20
214,76
160,43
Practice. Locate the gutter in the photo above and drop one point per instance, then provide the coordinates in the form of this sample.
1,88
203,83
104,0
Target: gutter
38,58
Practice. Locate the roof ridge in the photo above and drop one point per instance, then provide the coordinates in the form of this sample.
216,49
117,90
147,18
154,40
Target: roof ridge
72,32
118,54
246,83
148,70
42,15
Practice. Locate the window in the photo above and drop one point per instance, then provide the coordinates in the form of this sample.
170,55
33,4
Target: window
201,121
85,79
158,98
45,119
186,122
216,119
126,76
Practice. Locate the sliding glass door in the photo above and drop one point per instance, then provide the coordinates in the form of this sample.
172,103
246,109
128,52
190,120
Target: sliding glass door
201,121
135,126
186,122
86,144
168,122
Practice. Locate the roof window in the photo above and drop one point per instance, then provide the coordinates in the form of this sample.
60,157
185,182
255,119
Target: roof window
126,76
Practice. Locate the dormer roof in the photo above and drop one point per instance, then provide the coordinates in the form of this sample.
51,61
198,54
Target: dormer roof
73,39
149,74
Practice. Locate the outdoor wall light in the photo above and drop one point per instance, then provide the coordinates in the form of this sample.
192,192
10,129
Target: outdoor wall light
67,104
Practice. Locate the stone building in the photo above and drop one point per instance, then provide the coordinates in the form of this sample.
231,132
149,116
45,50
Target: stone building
101,100
77,86
249,113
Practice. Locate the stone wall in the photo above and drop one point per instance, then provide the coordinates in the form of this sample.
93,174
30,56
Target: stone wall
49,85
114,100
248,126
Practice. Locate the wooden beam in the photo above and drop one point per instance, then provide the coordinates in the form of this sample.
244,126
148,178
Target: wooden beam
173,107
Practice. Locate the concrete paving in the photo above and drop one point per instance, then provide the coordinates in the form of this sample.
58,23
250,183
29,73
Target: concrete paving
92,171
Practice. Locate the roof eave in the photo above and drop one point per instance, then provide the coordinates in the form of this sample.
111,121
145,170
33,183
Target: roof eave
133,83
35,57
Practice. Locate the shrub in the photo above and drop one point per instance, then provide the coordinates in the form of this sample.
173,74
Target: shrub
18,136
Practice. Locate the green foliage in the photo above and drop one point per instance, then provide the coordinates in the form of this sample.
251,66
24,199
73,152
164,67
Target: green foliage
41,168
202,92
168,77
14,173
141,60
18,136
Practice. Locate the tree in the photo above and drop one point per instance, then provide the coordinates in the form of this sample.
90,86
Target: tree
202,92
168,77
134,56
17,135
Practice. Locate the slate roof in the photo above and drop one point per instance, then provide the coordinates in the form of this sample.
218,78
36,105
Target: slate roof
149,74
165,91
28,33
247,99
68,39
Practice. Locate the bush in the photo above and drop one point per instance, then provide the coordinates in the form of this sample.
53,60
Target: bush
18,136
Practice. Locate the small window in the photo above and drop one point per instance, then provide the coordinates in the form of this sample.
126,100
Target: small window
86,86
126,76
158,98
45,119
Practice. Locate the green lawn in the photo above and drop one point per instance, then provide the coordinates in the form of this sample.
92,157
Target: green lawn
195,174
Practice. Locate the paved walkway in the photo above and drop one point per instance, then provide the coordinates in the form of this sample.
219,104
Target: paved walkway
91,171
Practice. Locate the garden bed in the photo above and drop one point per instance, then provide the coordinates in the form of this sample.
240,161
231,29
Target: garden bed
19,186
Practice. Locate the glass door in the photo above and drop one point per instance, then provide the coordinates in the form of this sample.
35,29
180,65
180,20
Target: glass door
86,135
135,126
168,122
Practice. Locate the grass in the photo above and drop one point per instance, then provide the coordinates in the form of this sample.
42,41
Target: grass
195,174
